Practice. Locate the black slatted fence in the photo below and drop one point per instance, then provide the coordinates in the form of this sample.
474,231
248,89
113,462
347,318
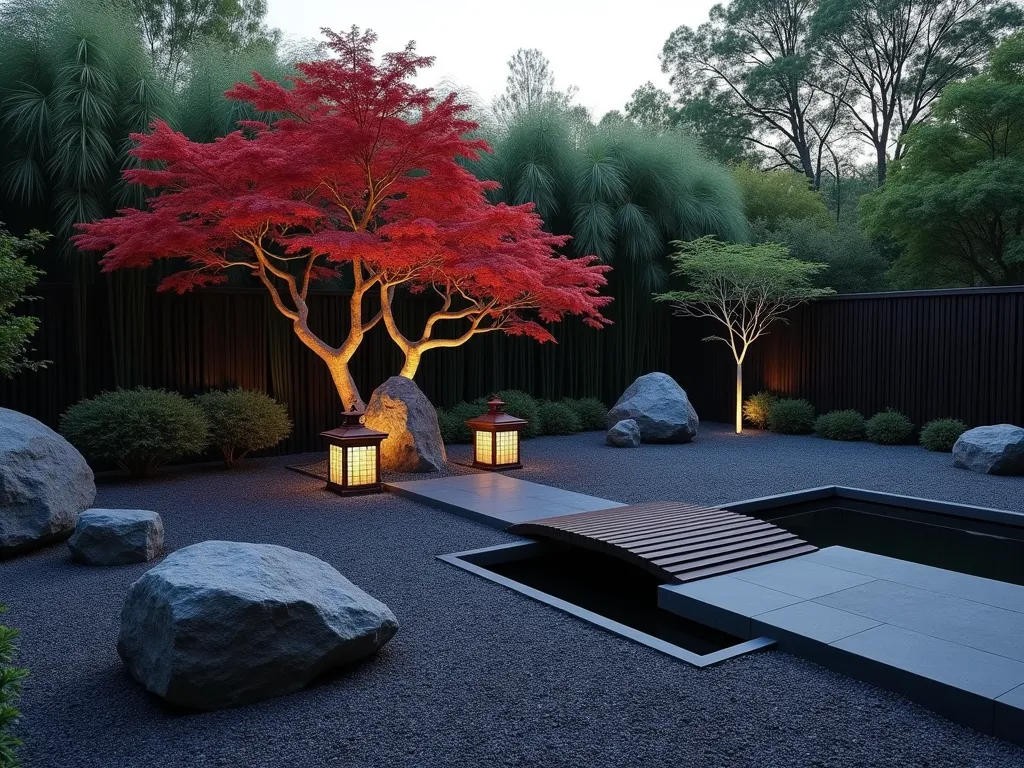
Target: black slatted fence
929,354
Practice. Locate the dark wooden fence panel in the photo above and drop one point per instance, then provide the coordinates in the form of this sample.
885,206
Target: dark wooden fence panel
929,354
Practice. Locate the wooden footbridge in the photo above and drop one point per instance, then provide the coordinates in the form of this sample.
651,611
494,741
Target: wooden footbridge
675,541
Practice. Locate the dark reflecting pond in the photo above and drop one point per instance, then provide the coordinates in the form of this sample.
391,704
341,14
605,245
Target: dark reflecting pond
956,544
614,589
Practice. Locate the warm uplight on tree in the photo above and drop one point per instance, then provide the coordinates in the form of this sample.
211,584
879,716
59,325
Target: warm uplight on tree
353,459
360,175
745,288
496,437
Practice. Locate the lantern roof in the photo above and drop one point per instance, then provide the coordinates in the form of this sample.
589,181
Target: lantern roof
496,418
352,427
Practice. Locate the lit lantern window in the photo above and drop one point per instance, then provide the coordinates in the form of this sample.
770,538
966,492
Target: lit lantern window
353,464
496,437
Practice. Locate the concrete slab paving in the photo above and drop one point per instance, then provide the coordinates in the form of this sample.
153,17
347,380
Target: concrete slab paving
814,621
982,590
949,640
952,664
802,578
976,625
496,499
723,602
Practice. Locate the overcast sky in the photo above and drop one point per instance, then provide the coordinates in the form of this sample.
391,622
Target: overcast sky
605,49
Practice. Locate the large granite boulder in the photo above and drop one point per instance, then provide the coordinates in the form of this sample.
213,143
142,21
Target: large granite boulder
625,434
660,408
994,450
221,623
44,484
414,442
117,536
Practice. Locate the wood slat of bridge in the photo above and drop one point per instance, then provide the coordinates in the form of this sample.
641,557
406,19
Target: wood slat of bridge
675,541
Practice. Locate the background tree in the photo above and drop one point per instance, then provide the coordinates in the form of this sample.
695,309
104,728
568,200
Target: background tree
580,124
855,264
201,110
721,131
171,29
530,87
17,277
650,107
746,288
955,201
782,208
769,197
611,119
751,68
624,195
886,61
371,185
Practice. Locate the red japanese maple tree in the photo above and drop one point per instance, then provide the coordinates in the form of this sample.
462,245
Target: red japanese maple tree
360,174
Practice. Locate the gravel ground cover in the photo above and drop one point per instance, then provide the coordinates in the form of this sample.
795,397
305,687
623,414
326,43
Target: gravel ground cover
479,675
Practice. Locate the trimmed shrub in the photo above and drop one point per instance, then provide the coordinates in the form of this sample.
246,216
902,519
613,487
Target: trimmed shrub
890,427
756,407
453,421
522,406
242,420
840,425
11,678
790,416
138,430
557,419
941,434
592,413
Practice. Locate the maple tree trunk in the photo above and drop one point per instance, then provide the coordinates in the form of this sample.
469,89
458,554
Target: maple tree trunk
412,363
336,360
343,382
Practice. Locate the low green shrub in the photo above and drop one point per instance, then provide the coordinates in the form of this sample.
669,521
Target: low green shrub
941,434
592,413
242,420
11,678
790,416
522,406
557,419
756,407
447,424
840,425
890,427
453,421
138,430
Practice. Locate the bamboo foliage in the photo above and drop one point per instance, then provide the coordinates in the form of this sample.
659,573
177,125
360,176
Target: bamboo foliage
75,83
623,194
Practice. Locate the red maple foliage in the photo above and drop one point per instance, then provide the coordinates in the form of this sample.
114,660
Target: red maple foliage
359,174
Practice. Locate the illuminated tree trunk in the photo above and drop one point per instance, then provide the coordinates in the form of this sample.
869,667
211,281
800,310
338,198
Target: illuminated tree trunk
344,383
336,358
412,363
739,398
413,350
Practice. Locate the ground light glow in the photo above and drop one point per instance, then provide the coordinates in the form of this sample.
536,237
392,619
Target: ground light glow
354,456
496,437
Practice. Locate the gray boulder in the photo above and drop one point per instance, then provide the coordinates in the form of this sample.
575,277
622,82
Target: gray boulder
117,536
660,408
414,442
220,624
625,434
994,450
44,484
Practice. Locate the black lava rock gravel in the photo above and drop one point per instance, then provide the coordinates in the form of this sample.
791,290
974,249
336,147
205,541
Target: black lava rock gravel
479,676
